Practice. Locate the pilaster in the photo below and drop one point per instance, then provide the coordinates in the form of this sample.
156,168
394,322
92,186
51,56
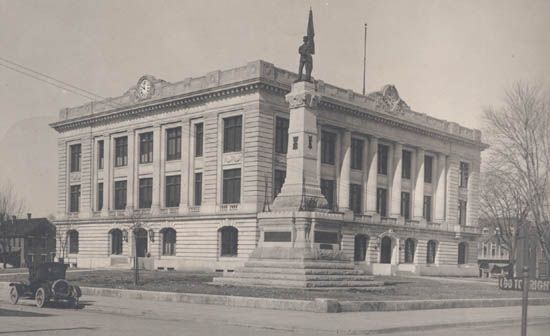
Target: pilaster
345,173
440,188
419,184
107,179
452,190
186,176
371,169
155,204
132,186
395,204
86,189
472,211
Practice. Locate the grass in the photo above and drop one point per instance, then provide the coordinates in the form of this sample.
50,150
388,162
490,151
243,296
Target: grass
399,288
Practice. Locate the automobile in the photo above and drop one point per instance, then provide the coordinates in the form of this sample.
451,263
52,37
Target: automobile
46,283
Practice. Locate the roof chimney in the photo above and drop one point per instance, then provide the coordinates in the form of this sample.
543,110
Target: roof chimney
29,215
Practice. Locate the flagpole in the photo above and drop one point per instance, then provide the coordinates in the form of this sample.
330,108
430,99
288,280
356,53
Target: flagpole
364,59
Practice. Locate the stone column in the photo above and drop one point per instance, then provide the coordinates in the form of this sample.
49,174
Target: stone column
452,190
472,207
186,173
395,169
86,177
132,187
345,173
107,178
419,185
155,204
365,177
371,169
301,189
440,187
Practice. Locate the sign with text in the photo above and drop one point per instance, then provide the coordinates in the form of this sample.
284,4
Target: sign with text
535,285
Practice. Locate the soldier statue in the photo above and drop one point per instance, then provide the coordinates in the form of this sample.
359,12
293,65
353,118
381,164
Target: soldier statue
306,50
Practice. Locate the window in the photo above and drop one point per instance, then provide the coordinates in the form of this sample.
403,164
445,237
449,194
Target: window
410,247
100,154
278,181
198,189
120,195
232,134
406,163
357,154
168,241
121,151
72,236
431,251
383,159
382,202
116,241
360,247
99,196
428,168
462,249
327,189
229,240
145,193
146,147
464,171
231,186
427,208
75,157
462,212
484,250
173,188
406,205
328,146
199,134
281,135
173,143
493,250
75,198
355,198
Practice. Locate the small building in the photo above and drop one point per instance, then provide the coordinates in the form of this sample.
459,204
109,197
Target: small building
26,241
493,256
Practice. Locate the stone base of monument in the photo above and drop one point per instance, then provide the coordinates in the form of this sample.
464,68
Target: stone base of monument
299,268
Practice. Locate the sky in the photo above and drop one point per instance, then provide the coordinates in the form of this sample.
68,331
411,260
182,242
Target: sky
448,59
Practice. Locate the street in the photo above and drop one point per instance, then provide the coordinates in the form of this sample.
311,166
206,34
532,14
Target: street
114,316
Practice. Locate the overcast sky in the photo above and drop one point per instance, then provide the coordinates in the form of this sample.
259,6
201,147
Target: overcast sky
447,58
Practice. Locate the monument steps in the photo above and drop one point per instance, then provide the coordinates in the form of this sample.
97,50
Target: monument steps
303,271
296,283
303,277
300,264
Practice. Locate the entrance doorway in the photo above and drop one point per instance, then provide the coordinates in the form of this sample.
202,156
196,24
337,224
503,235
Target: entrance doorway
141,242
385,250
360,247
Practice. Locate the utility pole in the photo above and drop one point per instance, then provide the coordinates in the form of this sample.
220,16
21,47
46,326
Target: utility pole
364,59
525,289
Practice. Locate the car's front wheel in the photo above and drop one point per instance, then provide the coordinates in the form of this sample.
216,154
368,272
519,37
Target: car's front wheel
40,298
14,295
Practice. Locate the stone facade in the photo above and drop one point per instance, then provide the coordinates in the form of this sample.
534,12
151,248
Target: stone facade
256,92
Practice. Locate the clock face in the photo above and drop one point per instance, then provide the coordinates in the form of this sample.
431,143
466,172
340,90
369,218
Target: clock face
144,88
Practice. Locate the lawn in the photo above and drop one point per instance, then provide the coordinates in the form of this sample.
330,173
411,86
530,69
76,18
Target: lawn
398,288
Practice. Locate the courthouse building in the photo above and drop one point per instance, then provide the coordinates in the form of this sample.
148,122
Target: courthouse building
196,163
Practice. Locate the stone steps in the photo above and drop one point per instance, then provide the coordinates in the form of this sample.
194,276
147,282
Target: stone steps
240,281
303,271
300,264
302,277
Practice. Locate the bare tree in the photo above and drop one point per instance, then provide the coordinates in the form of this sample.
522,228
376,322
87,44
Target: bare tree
519,135
11,204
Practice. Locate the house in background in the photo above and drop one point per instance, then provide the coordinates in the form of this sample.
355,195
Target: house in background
26,241
493,256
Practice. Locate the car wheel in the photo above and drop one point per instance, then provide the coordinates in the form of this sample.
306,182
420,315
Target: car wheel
14,295
40,297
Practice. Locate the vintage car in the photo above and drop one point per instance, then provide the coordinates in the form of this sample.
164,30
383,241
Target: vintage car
46,282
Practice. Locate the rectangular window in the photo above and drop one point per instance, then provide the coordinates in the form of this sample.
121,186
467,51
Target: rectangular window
328,147
173,143
357,154
232,134
355,198
121,151
173,189
100,154
120,195
406,164
198,189
383,159
406,205
462,212
382,202
75,198
146,147
278,181
428,168
231,186
199,134
281,135
145,193
327,189
99,196
464,173
75,157
427,208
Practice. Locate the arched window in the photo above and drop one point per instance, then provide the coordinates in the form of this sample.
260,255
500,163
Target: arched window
410,248
431,251
462,249
72,236
116,241
484,250
229,240
168,241
360,247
